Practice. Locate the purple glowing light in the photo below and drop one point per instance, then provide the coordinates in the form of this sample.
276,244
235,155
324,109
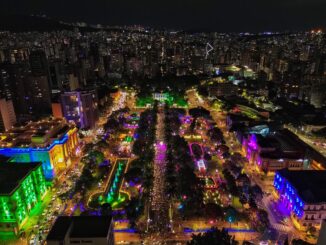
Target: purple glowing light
130,126
161,146
253,142
186,119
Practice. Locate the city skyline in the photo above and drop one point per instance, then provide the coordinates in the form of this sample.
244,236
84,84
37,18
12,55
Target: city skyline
133,132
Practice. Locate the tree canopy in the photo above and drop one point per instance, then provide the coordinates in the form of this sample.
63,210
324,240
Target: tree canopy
213,236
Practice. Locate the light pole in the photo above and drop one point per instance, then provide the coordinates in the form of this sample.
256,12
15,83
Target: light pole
171,217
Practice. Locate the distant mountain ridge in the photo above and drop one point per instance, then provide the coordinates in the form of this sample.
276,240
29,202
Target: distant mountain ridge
25,23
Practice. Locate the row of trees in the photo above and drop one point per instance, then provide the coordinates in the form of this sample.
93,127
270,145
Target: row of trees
115,121
240,187
231,184
182,183
216,135
141,169
92,173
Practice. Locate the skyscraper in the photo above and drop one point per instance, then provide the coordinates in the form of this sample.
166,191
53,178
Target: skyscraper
38,63
7,114
38,95
80,107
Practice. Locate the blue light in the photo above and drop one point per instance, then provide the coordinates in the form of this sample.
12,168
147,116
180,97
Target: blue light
34,154
291,200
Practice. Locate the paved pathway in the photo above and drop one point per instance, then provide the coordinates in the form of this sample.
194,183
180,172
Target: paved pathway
159,203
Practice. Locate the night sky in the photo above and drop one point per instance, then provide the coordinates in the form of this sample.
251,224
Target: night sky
213,15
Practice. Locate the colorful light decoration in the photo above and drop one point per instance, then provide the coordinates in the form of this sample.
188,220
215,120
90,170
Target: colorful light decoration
253,142
114,197
201,165
128,139
50,156
130,125
186,119
252,148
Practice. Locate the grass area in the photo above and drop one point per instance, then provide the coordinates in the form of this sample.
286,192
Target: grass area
144,101
128,139
209,181
236,203
170,100
95,201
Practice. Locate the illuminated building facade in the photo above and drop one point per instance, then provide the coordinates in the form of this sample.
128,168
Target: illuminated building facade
52,142
7,114
303,194
272,152
160,96
80,107
22,186
57,110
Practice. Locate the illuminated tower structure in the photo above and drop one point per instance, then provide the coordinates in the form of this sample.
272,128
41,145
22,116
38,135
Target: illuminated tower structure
22,186
50,141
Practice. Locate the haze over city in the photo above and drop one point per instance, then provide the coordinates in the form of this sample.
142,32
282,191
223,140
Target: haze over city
207,15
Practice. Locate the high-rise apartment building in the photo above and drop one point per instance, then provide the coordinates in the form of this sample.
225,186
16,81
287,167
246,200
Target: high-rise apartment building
7,114
38,63
80,107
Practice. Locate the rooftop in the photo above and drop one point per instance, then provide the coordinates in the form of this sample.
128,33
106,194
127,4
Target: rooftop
266,142
282,145
239,117
311,152
81,226
310,184
12,174
35,134
60,228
